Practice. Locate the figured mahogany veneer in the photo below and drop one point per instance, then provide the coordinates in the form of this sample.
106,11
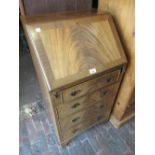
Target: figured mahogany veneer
80,63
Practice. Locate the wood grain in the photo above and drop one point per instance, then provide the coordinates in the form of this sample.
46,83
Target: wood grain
37,7
73,46
119,123
79,128
63,51
91,85
81,47
48,103
105,95
124,15
81,116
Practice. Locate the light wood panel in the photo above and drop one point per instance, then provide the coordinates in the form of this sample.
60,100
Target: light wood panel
80,47
44,88
37,7
89,44
73,46
124,15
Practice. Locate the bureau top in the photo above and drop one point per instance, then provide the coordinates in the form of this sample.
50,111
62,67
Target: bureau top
73,47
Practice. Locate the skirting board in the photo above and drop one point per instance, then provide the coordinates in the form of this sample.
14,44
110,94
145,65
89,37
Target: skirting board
117,124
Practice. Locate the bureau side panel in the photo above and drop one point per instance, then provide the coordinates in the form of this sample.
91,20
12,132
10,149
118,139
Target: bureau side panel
46,94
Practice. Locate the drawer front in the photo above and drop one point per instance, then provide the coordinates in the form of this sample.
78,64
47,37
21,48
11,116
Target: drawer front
104,95
70,133
90,86
85,115
76,118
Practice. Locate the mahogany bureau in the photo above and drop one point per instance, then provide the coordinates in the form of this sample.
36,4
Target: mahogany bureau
80,63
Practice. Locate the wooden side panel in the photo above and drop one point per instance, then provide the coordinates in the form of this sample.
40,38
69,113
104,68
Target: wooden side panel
36,7
131,106
123,12
46,94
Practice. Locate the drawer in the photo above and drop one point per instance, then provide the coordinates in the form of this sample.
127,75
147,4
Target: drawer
69,133
85,115
90,86
105,95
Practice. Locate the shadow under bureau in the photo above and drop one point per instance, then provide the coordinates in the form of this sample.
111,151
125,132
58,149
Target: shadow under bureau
80,63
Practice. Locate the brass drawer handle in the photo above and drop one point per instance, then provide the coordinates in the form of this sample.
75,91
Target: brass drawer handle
74,93
75,105
110,79
75,119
